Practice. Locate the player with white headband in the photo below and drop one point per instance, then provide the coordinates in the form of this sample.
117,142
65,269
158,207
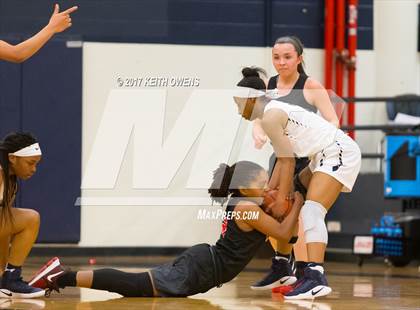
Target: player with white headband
335,164
20,154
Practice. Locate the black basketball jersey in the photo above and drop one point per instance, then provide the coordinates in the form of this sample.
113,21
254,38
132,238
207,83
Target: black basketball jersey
296,94
235,247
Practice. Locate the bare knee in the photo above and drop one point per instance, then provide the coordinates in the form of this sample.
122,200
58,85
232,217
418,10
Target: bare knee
23,219
30,217
34,217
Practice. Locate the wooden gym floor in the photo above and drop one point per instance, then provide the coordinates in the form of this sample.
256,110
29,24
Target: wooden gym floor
372,286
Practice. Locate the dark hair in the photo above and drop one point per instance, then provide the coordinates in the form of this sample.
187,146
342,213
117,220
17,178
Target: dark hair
252,79
227,180
11,143
297,44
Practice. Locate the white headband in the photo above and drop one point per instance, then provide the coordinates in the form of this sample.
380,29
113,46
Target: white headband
31,150
247,92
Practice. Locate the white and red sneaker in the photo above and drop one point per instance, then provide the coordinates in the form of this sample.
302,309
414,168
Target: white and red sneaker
47,276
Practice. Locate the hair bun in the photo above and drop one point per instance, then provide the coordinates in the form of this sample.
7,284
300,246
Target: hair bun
253,71
250,71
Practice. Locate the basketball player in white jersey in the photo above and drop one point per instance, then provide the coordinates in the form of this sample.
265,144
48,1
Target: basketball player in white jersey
335,164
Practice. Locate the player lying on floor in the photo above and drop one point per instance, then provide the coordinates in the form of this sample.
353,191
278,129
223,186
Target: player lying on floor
202,266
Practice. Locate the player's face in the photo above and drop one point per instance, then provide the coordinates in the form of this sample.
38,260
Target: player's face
245,107
285,58
24,167
257,187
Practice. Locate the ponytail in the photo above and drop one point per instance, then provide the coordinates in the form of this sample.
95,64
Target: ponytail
227,180
219,189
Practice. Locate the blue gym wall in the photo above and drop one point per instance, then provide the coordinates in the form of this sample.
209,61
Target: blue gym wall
44,95
198,22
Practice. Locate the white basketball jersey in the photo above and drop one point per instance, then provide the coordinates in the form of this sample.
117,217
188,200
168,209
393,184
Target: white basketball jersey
308,132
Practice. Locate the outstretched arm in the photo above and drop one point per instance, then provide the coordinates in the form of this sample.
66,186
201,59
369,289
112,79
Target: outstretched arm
59,22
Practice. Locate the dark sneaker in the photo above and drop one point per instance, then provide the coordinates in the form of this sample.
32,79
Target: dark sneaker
47,276
12,286
298,270
280,274
314,284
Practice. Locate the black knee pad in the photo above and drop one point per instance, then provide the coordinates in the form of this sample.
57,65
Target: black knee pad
124,283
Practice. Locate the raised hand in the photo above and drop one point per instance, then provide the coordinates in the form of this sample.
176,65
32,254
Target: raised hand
60,21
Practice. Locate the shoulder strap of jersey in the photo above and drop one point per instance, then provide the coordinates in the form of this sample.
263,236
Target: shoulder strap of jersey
300,83
272,82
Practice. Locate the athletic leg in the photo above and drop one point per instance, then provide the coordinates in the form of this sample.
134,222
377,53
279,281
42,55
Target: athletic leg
322,192
22,233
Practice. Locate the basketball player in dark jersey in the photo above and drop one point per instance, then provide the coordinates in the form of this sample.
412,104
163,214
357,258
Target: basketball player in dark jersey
20,154
202,266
